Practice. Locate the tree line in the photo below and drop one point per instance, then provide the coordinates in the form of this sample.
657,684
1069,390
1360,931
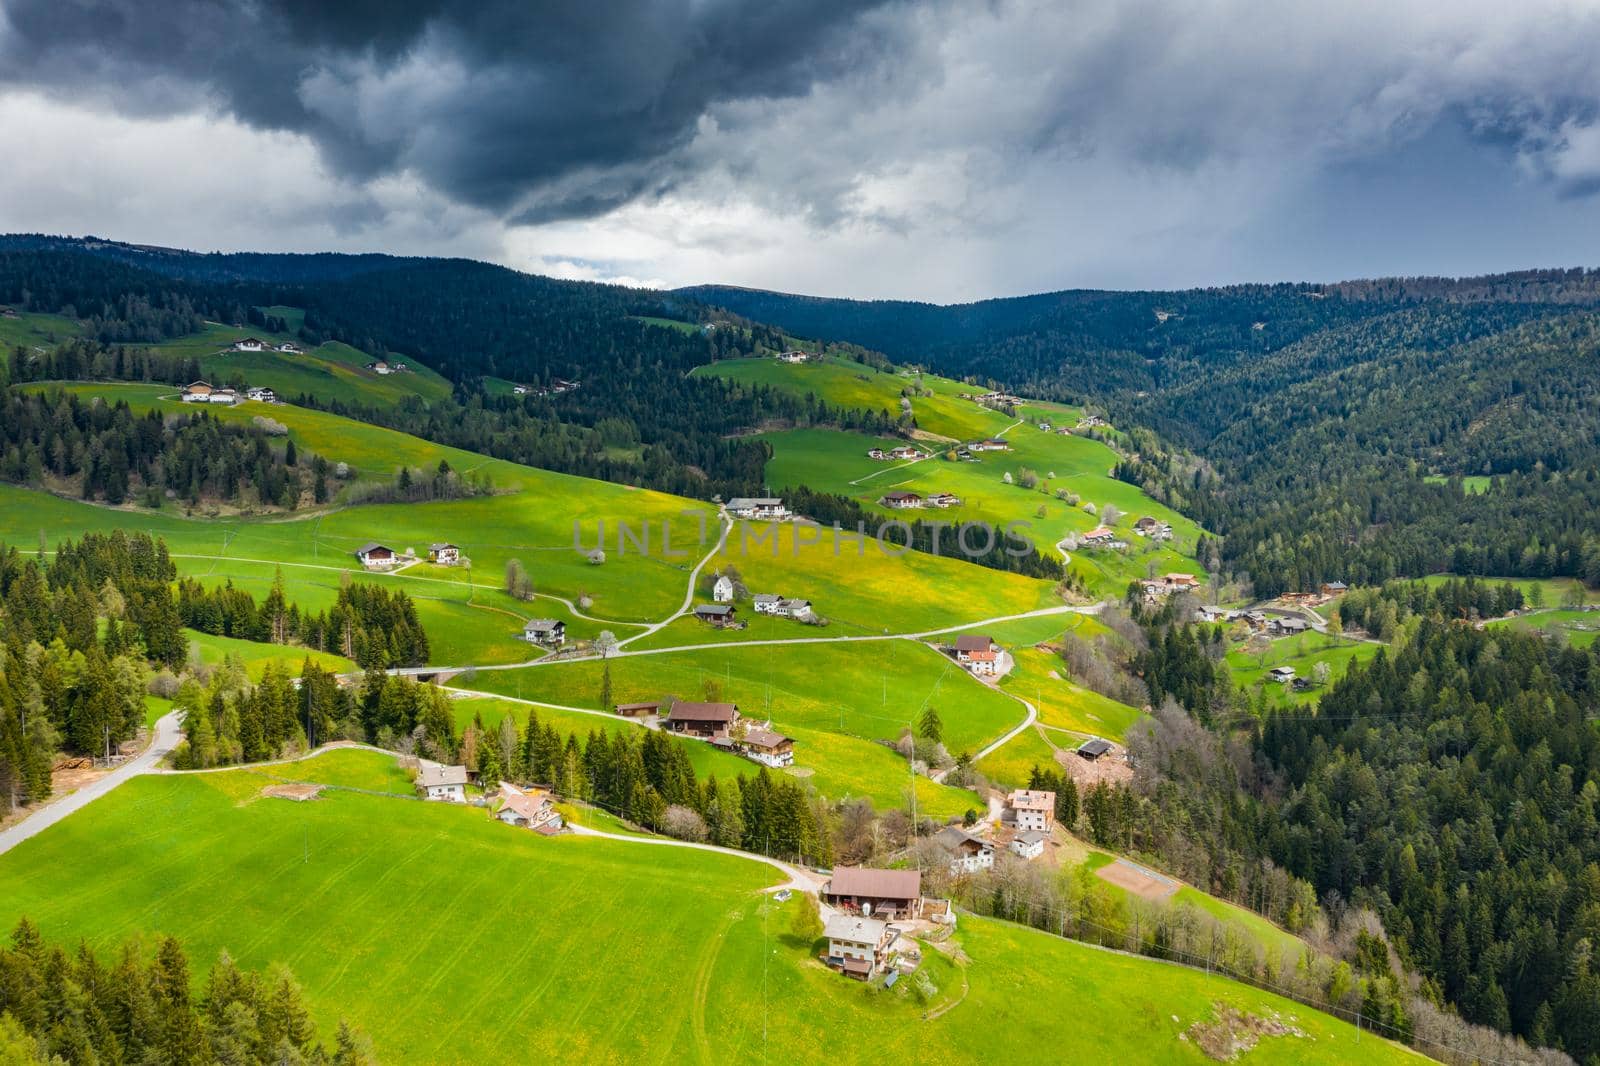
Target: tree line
106,452
58,1006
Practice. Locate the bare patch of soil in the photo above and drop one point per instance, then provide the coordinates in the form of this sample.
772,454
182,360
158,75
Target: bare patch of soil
1146,884
1112,767
1233,1032
297,792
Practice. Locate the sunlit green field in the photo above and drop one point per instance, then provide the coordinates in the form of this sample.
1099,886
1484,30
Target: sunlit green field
211,650
331,371
1041,678
1578,628
1302,652
835,461
361,896
836,700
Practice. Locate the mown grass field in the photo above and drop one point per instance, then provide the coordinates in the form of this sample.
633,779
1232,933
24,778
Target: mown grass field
1302,652
1578,628
836,700
574,949
331,371
207,649
835,461
31,330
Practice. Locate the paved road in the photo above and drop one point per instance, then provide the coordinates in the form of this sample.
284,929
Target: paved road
166,738
620,652
799,880
688,595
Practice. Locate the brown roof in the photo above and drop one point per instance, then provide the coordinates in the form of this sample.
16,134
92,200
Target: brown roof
974,642
1024,800
684,711
876,884
654,706
765,738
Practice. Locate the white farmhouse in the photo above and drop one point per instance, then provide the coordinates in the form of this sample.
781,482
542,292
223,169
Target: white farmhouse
447,784
968,854
859,946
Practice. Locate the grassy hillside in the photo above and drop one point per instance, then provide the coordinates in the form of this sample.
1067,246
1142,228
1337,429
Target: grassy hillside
331,371
448,937
31,330
531,517
836,700
835,461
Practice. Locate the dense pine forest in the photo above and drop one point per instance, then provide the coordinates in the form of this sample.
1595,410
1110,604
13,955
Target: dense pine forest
84,627
60,1006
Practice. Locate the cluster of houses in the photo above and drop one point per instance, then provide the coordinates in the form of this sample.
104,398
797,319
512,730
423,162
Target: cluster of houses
256,344
991,444
526,808
1259,621
1156,589
723,612
1091,422
766,508
556,388
782,606
978,653
998,399
902,501
376,556
1026,820
720,725
383,366
205,392
904,451
793,355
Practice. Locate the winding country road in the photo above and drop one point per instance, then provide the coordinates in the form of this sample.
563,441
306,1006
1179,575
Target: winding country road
688,595
620,652
166,738
799,880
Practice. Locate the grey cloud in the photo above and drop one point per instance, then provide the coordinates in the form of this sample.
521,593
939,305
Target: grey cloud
497,104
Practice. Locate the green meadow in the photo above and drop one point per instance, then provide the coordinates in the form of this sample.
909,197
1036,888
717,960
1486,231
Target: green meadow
835,461
1303,653
836,700
331,371
32,330
1269,940
362,897
210,650
1040,678
1577,628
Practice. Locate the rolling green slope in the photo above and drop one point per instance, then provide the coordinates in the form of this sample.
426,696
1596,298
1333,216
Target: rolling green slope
450,938
834,461
331,371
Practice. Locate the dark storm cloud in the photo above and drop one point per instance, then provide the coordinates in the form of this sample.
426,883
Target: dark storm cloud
541,110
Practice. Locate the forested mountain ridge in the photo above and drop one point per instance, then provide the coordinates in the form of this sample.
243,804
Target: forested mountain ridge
1321,415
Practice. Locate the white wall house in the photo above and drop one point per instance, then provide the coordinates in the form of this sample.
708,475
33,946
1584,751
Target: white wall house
446,784
722,590
968,854
1032,810
1028,845
859,946
769,507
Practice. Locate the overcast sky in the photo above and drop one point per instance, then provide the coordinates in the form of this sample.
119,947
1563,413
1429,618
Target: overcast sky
944,150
